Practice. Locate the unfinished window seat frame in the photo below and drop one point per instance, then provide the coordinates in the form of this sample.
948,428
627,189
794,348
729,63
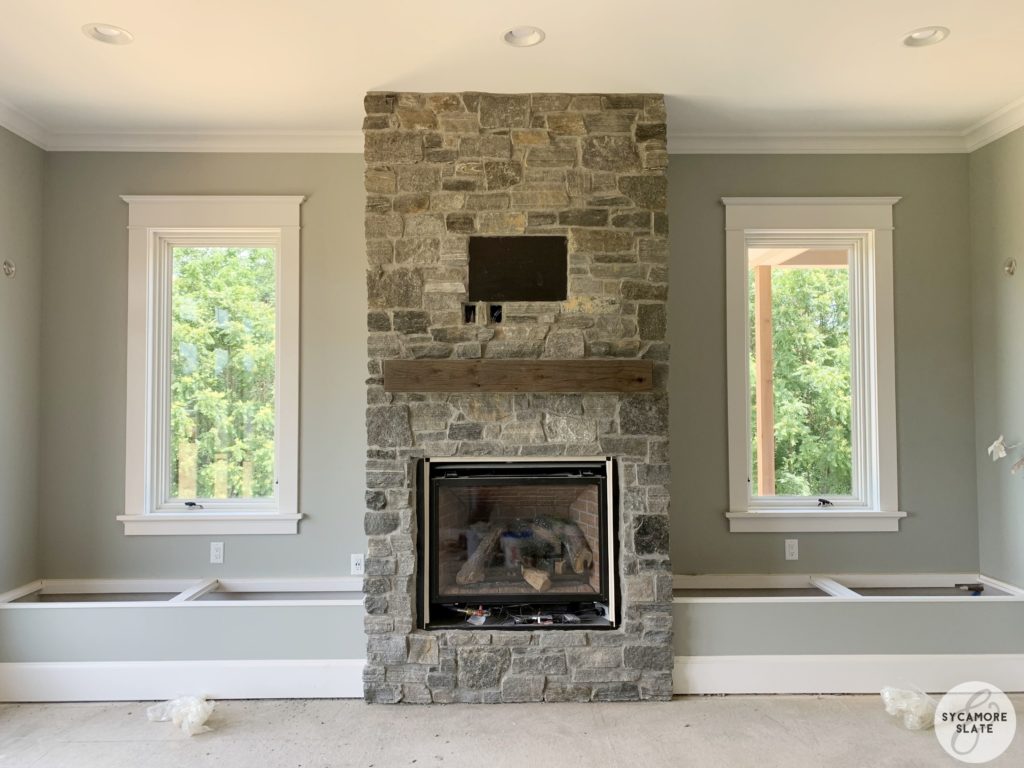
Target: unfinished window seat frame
177,593
147,639
832,588
844,633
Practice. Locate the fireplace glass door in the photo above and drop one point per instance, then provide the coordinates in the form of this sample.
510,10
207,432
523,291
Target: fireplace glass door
531,533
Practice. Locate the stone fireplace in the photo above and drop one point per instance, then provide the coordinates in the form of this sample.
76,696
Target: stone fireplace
443,168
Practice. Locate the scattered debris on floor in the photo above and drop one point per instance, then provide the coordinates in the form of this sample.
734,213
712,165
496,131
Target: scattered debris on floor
189,713
916,709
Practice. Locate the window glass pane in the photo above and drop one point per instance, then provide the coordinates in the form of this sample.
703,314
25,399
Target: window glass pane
223,321
799,304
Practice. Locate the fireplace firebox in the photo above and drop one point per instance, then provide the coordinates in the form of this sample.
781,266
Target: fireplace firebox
517,543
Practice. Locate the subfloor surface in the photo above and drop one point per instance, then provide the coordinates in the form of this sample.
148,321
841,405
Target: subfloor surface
731,732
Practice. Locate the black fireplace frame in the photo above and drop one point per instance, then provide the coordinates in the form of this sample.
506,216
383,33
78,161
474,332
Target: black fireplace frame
601,470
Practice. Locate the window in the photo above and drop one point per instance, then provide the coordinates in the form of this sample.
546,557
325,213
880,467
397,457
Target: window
212,410
811,381
800,369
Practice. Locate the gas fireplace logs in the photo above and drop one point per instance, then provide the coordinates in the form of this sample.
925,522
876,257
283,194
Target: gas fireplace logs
557,535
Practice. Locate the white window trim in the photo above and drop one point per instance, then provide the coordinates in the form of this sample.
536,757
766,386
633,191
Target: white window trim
865,226
154,224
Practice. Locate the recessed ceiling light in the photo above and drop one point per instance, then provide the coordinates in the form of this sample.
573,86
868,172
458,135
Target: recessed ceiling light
524,37
926,36
108,33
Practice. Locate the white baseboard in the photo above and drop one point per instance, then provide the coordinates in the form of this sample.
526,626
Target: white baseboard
843,673
152,680
342,678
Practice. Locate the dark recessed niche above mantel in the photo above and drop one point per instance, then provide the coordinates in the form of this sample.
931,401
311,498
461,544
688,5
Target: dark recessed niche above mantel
518,268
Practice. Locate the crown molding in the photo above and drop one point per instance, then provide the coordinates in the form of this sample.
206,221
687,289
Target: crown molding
995,126
945,142
20,124
210,141
991,128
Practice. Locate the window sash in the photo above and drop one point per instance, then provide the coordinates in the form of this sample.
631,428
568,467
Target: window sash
160,322
858,247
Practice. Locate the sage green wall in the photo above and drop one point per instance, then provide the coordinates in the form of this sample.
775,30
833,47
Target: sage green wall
997,233
84,364
21,212
934,391
86,252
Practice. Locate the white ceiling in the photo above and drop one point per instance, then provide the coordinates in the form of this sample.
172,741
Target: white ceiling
754,75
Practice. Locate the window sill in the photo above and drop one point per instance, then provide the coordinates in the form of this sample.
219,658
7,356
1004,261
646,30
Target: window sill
211,524
814,521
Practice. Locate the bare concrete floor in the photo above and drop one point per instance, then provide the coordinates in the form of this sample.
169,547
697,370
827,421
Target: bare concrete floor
731,732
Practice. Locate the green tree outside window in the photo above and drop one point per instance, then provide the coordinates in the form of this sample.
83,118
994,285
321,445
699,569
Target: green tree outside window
811,372
223,364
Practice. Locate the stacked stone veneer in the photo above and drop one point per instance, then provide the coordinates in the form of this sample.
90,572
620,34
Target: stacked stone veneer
439,168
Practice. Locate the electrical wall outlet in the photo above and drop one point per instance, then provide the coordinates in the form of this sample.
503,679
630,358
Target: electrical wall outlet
792,549
217,552
357,565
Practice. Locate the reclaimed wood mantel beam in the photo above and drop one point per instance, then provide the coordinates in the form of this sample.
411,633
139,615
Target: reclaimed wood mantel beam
518,375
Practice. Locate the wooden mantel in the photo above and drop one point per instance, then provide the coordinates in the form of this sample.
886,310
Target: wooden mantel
518,375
